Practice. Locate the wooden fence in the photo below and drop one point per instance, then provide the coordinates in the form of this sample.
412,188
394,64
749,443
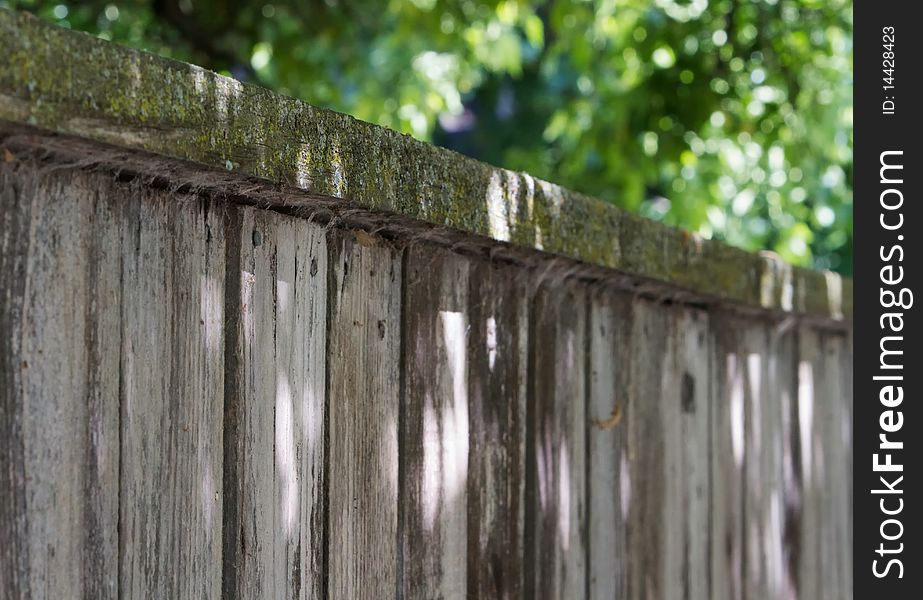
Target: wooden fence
250,349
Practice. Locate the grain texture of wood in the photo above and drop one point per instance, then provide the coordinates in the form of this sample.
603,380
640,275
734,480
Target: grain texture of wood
364,346
759,408
689,393
60,438
771,493
826,460
16,196
609,484
172,389
779,501
555,527
667,490
728,420
201,400
279,400
842,433
811,579
836,425
497,383
434,425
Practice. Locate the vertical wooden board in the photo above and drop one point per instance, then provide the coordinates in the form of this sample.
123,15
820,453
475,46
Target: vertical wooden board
727,459
839,445
608,486
556,451
497,386
309,393
171,397
759,409
256,408
279,404
829,397
434,430
103,340
364,346
828,465
778,508
759,394
60,241
811,577
690,392
16,200
666,470
842,436
652,547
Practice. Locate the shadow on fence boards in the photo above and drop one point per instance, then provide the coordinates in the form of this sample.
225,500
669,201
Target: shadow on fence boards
253,349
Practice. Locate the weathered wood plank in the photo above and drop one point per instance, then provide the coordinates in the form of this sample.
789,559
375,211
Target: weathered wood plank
171,397
826,462
811,577
16,198
555,526
837,446
363,404
569,444
497,386
59,295
653,551
665,489
759,407
256,460
842,436
689,391
609,483
728,422
240,131
279,404
777,456
309,327
434,429
756,492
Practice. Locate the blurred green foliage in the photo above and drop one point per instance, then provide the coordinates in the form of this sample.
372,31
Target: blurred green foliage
731,118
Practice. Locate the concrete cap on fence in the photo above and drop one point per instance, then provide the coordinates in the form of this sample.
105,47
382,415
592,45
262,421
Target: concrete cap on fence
59,82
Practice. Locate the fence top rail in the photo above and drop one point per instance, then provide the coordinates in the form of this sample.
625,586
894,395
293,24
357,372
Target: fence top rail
64,82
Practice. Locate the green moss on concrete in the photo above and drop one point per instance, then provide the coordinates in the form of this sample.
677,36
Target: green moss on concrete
71,83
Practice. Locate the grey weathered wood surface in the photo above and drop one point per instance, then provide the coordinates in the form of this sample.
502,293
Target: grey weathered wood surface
609,470
727,460
688,397
826,465
435,425
647,541
497,390
171,399
776,455
757,491
363,363
279,402
60,443
666,453
200,399
555,527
